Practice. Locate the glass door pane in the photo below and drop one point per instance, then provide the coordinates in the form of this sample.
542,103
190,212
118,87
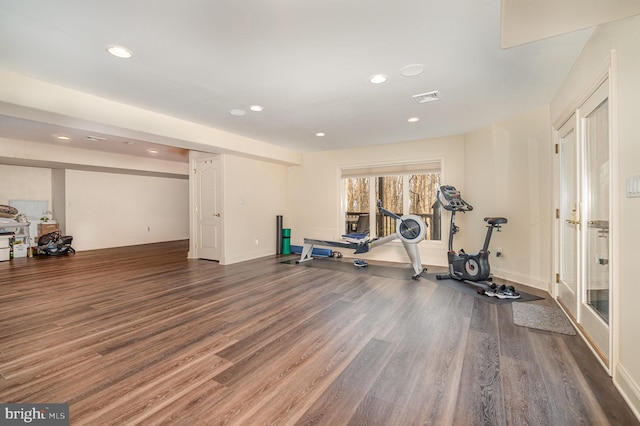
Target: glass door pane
597,209
594,312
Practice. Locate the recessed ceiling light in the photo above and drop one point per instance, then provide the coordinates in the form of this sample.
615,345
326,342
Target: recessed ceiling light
413,120
119,51
256,108
152,151
63,138
237,112
320,134
378,78
129,142
412,70
95,138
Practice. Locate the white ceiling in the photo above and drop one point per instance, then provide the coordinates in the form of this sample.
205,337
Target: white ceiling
308,62
521,20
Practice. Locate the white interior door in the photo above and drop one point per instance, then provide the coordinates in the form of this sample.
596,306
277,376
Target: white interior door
568,215
208,210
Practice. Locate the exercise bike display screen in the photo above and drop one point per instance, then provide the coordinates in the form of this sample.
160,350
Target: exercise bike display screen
452,199
450,191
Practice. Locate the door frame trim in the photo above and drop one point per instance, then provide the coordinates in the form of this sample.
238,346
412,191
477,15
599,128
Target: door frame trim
610,72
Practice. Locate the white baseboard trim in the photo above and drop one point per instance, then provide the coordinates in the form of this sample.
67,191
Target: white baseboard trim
541,284
629,390
245,257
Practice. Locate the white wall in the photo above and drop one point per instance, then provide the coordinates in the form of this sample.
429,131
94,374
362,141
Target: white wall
111,210
508,173
24,183
255,192
315,192
59,197
621,36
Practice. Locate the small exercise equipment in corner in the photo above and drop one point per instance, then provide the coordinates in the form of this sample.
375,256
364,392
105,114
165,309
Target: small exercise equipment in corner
471,268
410,228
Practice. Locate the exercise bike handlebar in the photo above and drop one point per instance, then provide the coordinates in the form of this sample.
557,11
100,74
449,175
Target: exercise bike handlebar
450,199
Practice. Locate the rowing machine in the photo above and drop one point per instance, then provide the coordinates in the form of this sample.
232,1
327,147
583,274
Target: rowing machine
411,229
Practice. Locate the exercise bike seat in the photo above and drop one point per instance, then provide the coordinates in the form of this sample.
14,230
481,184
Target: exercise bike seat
495,220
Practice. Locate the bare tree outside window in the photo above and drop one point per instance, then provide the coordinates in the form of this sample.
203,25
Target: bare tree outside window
357,193
389,192
423,190
357,203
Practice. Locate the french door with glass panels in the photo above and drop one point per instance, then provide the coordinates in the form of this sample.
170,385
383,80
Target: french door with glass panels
584,243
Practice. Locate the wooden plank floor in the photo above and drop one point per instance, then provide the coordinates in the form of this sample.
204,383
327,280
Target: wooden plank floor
141,335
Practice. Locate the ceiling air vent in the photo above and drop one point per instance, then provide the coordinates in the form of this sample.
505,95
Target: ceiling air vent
426,97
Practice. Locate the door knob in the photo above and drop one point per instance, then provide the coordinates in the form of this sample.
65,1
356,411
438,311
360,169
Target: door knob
216,214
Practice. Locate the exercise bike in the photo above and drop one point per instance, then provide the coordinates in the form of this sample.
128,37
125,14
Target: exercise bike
471,268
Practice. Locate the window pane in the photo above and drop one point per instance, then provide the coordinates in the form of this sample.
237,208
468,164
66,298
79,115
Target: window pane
389,192
356,205
423,189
